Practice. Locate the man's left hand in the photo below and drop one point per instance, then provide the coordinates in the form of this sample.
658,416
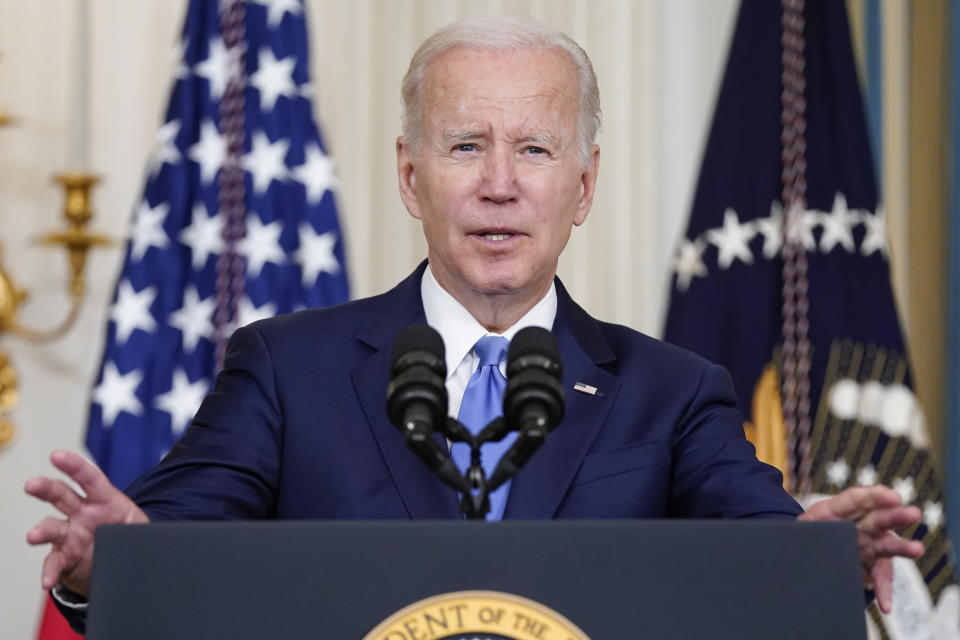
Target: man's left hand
877,512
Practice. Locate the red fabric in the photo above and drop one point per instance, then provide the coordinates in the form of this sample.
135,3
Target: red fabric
53,626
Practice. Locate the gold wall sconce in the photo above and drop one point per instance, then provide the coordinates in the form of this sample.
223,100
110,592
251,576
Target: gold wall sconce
77,241
5,118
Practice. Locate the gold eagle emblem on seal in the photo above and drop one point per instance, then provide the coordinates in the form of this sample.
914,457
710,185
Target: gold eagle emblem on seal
476,615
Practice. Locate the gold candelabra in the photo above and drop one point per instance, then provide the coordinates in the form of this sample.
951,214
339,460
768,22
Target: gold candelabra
5,118
78,242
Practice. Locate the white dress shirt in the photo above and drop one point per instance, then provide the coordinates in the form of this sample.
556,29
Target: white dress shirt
460,331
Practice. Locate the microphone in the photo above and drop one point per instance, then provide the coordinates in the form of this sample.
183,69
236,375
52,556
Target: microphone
533,399
417,398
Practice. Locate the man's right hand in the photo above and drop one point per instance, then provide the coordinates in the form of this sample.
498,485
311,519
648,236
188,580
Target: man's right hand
71,556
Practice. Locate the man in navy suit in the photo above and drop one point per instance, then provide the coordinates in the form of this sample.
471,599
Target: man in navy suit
498,162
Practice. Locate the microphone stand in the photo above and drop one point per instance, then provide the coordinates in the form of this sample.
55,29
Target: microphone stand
532,404
475,503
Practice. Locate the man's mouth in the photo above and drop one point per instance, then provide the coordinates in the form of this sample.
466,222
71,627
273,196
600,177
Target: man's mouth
496,234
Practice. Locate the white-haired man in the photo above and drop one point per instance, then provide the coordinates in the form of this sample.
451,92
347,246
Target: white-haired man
498,162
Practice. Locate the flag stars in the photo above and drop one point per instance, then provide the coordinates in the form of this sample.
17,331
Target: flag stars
182,400
247,313
203,236
904,487
689,263
276,9
876,236
838,472
838,226
732,240
932,515
117,393
209,152
166,151
179,55
265,161
316,253
216,68
316,173
261,244
771,229
867,477
273,78
132,310
799,228
148,229
194,319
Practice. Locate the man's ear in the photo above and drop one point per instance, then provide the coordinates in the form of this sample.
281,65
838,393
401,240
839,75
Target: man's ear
406,176
588,184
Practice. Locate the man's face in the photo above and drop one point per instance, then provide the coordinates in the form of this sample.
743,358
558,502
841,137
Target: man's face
497,181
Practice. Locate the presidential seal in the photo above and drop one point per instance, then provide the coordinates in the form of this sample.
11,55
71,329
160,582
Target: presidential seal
476,615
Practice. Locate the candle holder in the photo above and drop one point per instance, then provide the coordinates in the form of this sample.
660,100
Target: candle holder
5,118
77,241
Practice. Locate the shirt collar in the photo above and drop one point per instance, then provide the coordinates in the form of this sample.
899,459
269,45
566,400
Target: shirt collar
460,330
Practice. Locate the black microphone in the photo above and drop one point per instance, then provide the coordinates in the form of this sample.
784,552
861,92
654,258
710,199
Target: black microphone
533,399
417,398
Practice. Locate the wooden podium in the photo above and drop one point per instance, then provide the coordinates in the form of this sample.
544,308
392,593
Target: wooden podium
614,580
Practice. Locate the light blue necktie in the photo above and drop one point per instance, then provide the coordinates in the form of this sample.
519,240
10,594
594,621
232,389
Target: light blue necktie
482,402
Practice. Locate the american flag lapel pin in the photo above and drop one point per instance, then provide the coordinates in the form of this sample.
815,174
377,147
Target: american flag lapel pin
583,387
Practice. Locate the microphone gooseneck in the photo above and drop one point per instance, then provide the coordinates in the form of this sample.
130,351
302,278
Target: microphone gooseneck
417,404
533,399
417,398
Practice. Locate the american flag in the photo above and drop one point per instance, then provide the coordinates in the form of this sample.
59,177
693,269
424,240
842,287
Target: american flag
237,222
239,139
727,298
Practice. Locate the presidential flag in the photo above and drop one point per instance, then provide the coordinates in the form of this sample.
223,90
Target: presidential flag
783,278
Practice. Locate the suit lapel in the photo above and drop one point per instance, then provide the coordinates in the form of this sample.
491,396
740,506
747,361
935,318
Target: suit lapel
539,488
536,492
423,494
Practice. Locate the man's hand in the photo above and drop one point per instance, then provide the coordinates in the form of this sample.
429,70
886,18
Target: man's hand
71,556
877,512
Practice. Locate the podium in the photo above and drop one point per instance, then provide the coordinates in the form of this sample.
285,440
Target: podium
611,579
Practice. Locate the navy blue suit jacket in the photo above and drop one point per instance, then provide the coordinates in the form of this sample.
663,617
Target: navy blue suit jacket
296,427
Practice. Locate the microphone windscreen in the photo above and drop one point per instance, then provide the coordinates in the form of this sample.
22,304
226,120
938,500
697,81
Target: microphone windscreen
417,339
533,341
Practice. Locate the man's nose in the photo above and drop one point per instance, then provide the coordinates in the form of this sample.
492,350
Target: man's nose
500,183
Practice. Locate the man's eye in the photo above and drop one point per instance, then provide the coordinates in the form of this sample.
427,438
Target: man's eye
536,151
465,147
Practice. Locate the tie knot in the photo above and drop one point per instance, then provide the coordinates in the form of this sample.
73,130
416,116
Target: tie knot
491,350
